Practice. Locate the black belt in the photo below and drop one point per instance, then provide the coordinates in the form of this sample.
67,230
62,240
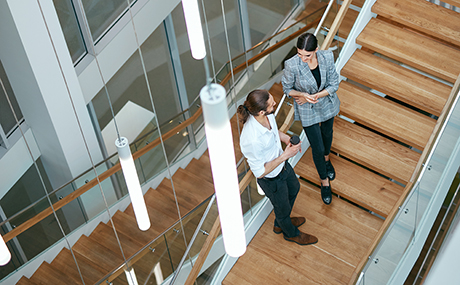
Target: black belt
277,176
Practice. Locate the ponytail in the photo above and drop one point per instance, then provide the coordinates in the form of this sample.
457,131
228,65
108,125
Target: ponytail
256,101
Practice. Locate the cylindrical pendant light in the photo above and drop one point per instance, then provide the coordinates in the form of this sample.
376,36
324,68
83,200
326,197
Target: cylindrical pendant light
5,255
223,166
131,277
194,30
132,182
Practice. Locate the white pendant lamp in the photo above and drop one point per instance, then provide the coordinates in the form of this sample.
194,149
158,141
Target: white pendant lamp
223,166
5,255
132,182
194,30
131,277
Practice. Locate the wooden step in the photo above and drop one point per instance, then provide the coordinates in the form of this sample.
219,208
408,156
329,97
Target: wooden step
374,151
385,116
25,281
412,49
191,188
355,183
46,274
159,205
455,3
396,81
97,253
127,224
277,91
344,233
424,16
104,232
200,169
90,271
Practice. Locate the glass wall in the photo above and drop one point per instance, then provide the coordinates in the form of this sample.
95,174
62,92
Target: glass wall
146,97
101,14
71,28
265,16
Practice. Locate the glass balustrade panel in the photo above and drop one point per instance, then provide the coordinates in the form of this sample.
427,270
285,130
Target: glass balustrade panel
393,245
438,162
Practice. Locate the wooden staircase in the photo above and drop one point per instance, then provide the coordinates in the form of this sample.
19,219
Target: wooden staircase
99,253
396,87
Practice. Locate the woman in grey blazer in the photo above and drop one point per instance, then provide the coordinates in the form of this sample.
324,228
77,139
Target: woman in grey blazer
310,77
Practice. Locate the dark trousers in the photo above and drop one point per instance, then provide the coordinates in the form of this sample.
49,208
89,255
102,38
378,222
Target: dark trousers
282,192
320,138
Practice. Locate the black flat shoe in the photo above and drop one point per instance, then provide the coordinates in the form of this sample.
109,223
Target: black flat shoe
330,170
326,194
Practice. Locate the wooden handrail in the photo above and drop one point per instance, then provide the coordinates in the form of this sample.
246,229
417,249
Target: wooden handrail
117,167
336,24
271,37
106,174
269,50
407,190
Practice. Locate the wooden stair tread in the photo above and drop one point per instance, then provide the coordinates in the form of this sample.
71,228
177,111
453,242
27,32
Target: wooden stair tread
277,91
424,16
50,275
355,183
158,205
200,169
97,253
410,48
105,232
191,188
385,116
344,233
374,151
162,204
455,3
90,271
396,81
358,3
127,224
25,281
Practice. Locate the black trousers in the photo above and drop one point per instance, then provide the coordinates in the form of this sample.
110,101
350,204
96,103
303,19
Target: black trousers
282,192
320,138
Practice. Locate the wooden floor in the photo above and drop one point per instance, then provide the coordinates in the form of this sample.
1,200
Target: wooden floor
343,231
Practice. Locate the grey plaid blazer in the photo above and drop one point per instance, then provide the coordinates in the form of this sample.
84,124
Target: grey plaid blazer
297,76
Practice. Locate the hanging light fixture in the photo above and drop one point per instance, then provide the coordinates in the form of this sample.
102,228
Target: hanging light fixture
194,30
131,276
132,182
223,166
5,255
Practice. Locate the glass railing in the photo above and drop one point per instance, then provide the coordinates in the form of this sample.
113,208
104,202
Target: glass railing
49,230
109,194
406,227
160,257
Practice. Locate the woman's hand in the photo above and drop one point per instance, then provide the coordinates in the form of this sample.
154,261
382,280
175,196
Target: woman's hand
307,98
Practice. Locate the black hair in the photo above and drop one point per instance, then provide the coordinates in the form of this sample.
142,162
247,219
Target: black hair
256,101
307,42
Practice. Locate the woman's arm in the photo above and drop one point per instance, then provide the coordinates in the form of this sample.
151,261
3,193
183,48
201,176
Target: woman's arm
332,83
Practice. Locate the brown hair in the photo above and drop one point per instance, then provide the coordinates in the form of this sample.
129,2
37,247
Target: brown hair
256,101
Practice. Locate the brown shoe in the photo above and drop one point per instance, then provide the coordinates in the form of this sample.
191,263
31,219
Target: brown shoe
303,239
296,221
